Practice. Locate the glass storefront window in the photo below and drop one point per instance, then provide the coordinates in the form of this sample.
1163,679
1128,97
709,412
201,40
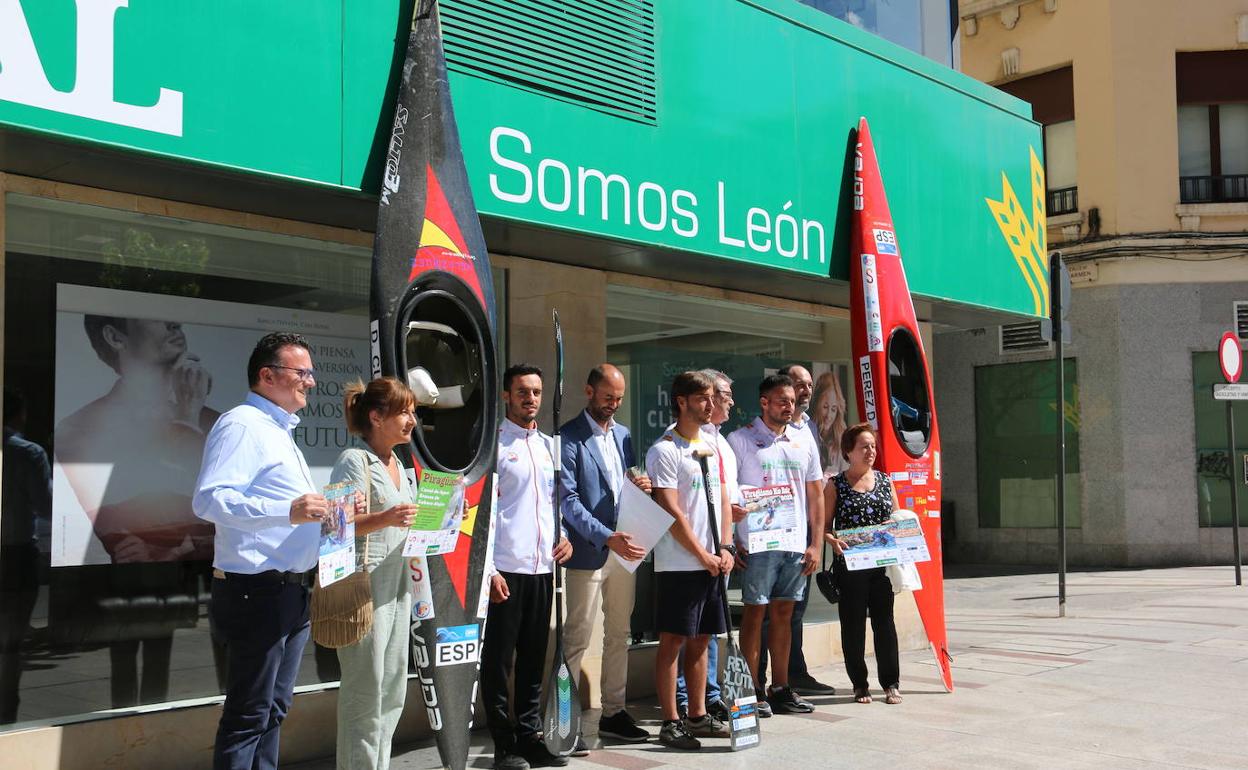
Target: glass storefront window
1213,467
923,26
125,336
653,335
1015,443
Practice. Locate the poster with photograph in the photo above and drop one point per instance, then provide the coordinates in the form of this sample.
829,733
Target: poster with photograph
439,514
141,378
336,555
830,415
870,547
908,534
771,519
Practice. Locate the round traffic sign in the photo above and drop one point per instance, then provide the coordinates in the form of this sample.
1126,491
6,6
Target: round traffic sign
1230,357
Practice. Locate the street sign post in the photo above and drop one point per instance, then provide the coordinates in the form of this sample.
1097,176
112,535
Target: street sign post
1231,359
1057,329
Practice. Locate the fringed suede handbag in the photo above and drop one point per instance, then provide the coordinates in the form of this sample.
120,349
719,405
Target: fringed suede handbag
342,613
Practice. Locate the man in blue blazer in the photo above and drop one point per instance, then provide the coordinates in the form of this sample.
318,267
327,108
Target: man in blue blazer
596,455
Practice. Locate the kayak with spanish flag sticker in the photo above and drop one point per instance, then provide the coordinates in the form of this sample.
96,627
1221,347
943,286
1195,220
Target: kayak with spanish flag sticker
432,325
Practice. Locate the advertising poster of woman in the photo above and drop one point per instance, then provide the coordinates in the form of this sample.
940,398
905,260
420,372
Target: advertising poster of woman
828,410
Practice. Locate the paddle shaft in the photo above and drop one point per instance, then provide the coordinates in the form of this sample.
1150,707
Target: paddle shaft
558,461
714,520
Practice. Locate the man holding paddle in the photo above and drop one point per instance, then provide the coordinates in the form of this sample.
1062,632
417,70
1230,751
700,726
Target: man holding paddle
526,547
688,566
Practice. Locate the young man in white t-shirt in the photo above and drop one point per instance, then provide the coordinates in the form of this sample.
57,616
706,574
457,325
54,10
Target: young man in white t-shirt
688,571
773,453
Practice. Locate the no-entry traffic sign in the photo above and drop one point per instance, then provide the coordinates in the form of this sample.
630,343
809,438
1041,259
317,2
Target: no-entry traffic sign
1230,357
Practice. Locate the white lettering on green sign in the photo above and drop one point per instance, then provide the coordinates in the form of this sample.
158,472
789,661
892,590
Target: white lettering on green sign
24,81
612,197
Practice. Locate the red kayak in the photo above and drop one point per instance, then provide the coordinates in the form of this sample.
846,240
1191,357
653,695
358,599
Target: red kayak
894,381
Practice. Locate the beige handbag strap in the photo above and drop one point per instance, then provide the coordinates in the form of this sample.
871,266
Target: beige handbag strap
368,488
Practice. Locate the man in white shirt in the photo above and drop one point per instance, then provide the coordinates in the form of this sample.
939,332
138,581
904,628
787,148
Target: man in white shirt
799,675
688,570
772,453
256,489
715,705
527,543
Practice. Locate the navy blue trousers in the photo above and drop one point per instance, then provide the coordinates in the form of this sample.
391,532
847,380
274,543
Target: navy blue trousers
264,625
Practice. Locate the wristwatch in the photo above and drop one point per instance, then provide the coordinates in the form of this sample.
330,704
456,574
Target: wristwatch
730,548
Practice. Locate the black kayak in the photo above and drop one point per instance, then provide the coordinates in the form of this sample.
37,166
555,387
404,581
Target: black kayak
433,325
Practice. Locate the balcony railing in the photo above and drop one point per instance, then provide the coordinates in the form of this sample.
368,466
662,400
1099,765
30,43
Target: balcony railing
1063,201
1227,188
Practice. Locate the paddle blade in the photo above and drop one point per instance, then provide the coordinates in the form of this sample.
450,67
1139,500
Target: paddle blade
736,687
561,716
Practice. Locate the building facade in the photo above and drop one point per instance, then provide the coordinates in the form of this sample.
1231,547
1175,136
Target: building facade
179,178
1145,119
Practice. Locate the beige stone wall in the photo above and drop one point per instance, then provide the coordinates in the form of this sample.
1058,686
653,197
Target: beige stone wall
534,290
1122,54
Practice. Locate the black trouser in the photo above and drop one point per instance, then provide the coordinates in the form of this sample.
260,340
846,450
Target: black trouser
864,591
797,660
517,627
129,687
264,623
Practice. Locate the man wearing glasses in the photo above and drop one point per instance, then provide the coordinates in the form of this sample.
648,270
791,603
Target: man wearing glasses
255,488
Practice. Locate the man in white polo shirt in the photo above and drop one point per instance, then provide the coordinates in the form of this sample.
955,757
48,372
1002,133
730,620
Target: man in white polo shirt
772,453
526,547
799,676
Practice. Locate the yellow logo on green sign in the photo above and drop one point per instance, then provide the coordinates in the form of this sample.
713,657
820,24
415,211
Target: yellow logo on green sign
1027,238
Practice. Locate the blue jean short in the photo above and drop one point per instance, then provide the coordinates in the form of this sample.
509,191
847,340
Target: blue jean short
773,575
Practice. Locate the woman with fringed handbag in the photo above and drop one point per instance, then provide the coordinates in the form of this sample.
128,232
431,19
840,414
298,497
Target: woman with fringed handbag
367,619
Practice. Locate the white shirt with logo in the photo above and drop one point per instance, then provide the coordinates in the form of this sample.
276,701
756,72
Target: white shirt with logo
671,464
524,524
765,459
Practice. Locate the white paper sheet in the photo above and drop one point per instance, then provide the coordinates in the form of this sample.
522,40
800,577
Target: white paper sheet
643,519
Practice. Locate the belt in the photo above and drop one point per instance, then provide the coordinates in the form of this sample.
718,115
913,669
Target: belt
267,577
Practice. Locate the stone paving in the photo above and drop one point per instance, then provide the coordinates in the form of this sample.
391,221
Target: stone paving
1149,669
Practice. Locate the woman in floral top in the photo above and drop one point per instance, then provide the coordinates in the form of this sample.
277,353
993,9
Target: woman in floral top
861,496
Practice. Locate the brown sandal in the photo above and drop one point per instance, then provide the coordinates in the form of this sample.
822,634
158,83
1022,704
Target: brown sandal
862,695
892,696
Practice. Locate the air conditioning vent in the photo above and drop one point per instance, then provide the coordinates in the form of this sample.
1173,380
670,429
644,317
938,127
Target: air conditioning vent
595,53
1022,337
1241,319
